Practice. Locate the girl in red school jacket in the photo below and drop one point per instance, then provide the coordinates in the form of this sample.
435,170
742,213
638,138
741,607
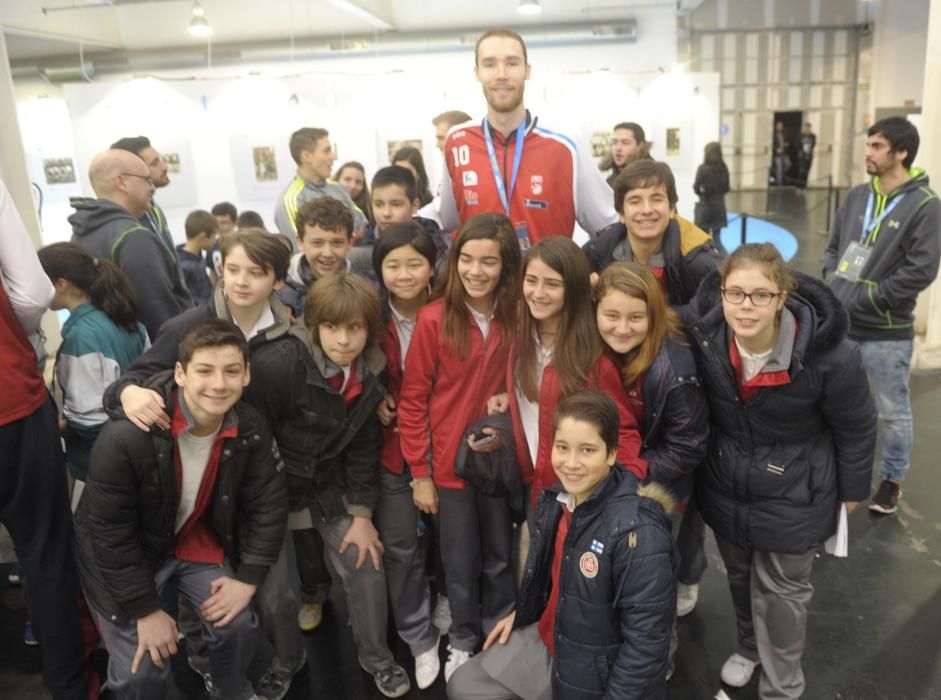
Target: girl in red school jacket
557,351
403,258
456,361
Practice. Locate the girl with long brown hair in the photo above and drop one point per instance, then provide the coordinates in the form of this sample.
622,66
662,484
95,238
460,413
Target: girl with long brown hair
456,360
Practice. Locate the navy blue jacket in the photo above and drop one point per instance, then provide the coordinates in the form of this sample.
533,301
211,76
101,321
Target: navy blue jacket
612,631
780,462
676,419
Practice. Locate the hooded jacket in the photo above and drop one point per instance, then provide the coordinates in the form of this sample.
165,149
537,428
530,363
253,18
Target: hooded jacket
331,451
781,460
299,192
124,525
108,230
905,250
164,352
612,627
688,254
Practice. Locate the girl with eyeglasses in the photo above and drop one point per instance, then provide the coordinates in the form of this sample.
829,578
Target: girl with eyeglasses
792,436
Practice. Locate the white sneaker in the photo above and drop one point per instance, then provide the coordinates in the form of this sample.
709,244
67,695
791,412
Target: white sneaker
456,659
427,666
737,670
686,598
441,615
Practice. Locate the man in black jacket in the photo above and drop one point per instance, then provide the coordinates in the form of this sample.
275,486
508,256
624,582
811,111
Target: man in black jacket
203,504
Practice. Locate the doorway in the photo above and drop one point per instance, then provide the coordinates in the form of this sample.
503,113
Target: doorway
785,143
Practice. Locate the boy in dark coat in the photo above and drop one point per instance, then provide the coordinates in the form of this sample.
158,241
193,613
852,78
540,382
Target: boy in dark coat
203,505
598,594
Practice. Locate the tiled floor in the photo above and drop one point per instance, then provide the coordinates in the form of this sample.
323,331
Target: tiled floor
875,623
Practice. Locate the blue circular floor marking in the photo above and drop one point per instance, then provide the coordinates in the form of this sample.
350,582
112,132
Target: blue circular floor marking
758,231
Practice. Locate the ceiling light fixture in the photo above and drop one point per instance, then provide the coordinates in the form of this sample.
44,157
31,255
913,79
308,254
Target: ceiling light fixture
529,7
199,24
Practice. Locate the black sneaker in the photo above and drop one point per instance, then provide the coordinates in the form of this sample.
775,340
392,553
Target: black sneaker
392,682
886,500
273,685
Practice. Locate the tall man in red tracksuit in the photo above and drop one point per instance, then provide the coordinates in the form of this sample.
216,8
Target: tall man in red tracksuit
511,164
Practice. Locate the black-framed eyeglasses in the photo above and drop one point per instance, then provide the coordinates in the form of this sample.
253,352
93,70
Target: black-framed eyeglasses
148,178
760,297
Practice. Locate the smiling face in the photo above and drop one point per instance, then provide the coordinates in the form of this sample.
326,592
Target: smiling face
343,342
352,181
479,266
646,212
753,325
544,292
247,284
623,321
325,250
406,273
502,72
580,458
319,160
212,382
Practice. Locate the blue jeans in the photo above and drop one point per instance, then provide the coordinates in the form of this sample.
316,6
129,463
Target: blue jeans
888,363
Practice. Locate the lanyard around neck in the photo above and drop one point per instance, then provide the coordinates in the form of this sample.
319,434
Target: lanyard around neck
495,165
870,226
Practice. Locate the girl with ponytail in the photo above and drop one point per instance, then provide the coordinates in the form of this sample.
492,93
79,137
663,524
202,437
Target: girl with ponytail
100,339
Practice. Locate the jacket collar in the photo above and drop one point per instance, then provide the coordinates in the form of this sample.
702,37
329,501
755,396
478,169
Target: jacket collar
372,361
282,321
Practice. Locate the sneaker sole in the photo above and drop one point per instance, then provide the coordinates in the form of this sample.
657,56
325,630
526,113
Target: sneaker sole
885,510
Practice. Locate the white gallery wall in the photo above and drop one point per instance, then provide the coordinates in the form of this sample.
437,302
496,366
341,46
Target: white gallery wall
214,121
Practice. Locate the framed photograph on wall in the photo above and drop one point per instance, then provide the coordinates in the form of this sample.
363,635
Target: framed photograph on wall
58,171
266,165
673,141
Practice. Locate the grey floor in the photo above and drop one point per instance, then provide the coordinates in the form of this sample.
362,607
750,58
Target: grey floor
875,622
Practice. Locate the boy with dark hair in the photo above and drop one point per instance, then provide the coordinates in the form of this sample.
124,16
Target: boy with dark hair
201,231
320,395
650,232
312,151
202,504
628,143
226,216
250,219
599,594
324,231
395,200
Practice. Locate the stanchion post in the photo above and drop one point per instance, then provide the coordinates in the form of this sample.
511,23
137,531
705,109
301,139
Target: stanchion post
744,228
829,199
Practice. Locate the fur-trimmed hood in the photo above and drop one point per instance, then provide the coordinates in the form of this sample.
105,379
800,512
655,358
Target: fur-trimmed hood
659,493
822,320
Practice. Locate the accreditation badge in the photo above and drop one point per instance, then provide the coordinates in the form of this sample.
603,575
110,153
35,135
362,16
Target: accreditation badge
853,261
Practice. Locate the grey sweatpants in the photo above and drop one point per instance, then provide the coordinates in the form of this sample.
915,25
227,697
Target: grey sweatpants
396,519
230,647
366,595
770,593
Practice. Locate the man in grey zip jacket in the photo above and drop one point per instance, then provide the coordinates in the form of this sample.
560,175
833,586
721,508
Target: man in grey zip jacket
110,228
884,249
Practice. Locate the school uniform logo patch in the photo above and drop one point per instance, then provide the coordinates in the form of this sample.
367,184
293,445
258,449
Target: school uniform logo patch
470,178
588,565
535,184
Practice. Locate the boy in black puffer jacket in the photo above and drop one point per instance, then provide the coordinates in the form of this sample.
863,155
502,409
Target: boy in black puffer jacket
598,594
203,505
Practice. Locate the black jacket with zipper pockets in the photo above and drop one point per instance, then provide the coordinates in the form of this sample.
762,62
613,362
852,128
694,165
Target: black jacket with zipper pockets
124,524
163,354
612,631
780,462
331,451
676,419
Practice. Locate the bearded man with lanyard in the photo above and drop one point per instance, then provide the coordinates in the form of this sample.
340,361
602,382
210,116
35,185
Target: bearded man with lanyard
884,249
510,164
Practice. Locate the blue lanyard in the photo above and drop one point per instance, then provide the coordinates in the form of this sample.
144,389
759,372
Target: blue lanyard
495,166
869,226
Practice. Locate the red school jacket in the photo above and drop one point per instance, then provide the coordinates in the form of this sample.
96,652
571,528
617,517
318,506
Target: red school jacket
604,376
443,394
391,457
